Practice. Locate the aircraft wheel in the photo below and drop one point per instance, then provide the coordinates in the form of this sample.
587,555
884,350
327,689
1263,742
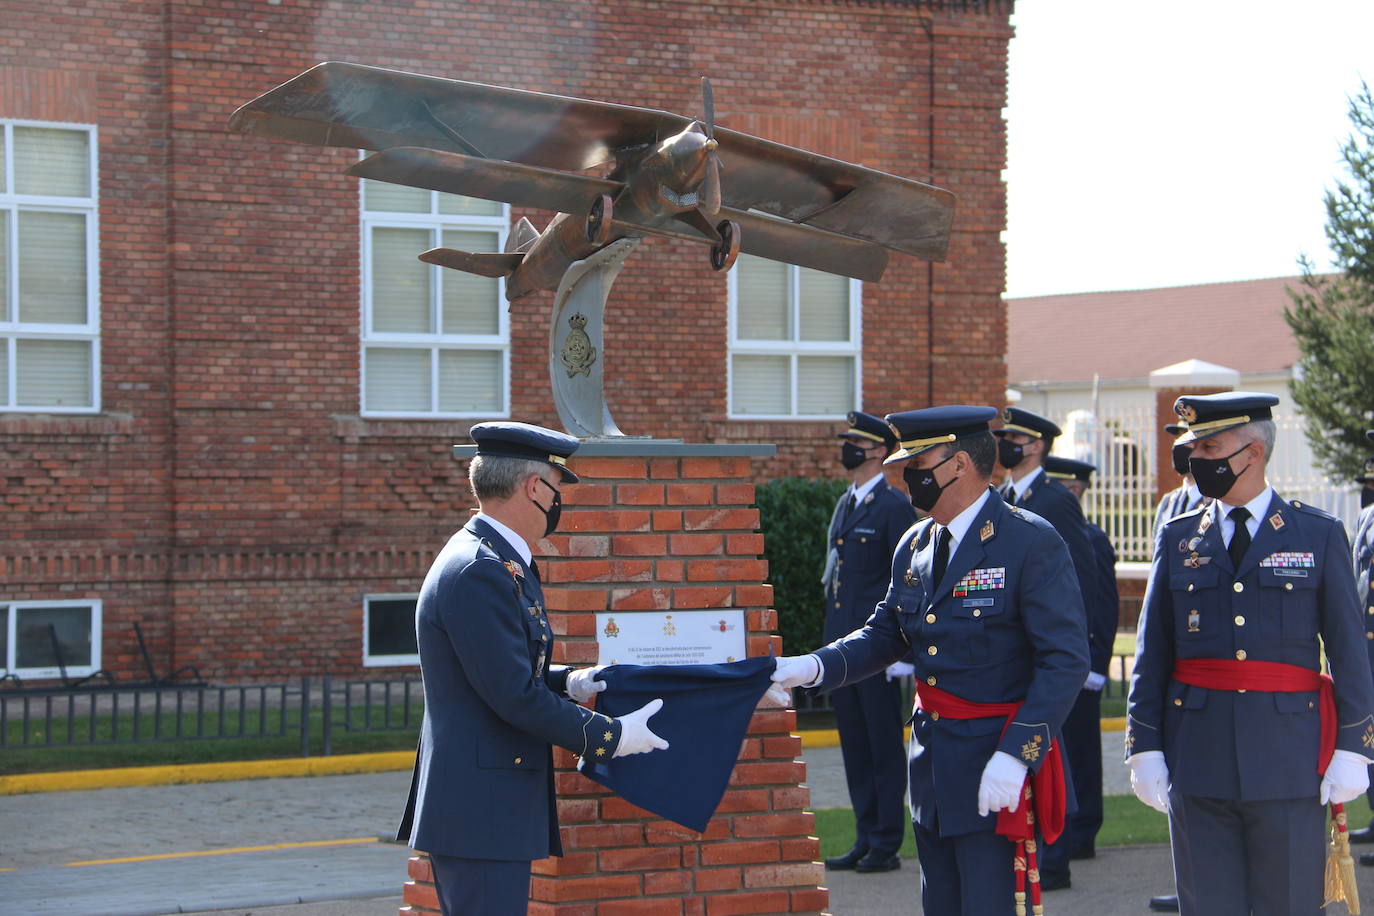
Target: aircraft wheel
599,221
724,252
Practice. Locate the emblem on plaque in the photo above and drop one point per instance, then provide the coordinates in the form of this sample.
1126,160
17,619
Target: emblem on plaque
669,628
578,353
611,629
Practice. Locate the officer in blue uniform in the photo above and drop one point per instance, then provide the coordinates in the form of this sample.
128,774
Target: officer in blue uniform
1023,444
869,520
1363,550
1186,496
482,797
1225,709
1083,727
983,595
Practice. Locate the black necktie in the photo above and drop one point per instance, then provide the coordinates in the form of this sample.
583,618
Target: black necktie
849,504
1240,537
534,568
937,570
1010,494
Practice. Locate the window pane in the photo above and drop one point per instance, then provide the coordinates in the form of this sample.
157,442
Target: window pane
52,161
52,267
53,373
4,636
44,632
471,303
468,206
4,372
470,381
4,257
3,172
762,385
762,312
391,627
825,384
397,198
824,305
397,379
400,282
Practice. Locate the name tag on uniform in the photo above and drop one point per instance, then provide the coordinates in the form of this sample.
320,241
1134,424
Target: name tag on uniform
979,602
1289,562
866,530
981,580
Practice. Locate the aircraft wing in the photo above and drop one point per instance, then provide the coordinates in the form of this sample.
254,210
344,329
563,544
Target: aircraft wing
490,179
361,107
839,197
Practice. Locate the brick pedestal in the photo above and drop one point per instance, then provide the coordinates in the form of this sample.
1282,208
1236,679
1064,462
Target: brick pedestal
658,526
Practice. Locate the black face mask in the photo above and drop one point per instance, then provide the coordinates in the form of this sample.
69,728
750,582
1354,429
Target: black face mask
851,456
1366,496
1009,454
1181,453
1214,476
925,492
553,512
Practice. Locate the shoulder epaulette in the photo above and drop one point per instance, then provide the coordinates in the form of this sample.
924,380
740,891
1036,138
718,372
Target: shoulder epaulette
1313,510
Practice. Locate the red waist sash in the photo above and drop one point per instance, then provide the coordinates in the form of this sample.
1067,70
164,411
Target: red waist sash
1268,677
1049,795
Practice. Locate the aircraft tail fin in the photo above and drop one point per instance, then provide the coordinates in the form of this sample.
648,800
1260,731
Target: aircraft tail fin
521,236
485,264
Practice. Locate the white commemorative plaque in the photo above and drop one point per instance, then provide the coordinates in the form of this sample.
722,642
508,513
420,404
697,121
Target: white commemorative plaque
676,638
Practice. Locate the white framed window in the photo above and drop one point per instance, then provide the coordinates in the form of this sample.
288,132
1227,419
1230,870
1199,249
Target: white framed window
795,342
435,341
38,639
49,268
389,631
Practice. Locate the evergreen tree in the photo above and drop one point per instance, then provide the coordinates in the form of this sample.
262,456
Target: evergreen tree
1332,316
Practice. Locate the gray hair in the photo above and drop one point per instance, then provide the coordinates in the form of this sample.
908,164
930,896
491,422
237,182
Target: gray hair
494,477
1264,432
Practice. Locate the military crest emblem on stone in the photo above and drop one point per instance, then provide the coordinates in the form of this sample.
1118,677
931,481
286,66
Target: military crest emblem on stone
578,354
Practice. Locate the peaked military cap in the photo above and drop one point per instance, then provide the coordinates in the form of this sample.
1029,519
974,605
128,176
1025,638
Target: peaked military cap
1209,414
522,440
1069,468
1016,420
1175,429
919,431
866,426
1369,434
1368,471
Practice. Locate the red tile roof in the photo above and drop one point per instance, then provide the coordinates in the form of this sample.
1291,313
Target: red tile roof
1130,333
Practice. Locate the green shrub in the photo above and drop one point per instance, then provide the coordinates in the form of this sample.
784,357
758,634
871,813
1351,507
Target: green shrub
794,514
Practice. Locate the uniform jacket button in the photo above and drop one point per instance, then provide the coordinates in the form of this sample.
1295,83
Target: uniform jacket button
930,618
1238,587
518,759
931,680
931,650
1240,655
1240,621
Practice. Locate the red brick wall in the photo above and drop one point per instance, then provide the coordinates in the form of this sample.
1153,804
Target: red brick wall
230,451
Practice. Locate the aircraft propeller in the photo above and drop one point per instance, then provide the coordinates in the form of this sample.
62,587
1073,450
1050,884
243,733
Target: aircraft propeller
710,185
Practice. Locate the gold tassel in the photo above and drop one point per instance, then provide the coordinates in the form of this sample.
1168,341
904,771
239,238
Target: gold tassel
1340,866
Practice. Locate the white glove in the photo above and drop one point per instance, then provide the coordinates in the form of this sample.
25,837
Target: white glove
776,697
635,737
797,670
1150,779
1095,681
1345,779
900,669
1003,779
583,685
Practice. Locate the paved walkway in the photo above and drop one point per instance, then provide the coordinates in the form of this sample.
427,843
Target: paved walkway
200,848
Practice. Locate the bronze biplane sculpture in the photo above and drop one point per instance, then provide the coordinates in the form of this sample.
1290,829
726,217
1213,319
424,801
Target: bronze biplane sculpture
661,174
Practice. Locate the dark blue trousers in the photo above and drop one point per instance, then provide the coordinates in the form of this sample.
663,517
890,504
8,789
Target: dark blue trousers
481,887
1082,738
869,717
1234,858
968,875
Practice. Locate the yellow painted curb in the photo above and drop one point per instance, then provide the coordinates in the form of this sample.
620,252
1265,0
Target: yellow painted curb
81,780
829,737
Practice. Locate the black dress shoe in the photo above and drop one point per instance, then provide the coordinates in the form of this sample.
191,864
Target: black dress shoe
1084,852
1367,858
847,861
1056,882
1168,903
1363,835
878,861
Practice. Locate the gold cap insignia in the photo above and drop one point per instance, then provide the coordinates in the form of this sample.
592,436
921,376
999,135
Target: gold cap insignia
1187,412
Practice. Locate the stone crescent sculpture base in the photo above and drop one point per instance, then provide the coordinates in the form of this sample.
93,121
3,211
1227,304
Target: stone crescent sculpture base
577,342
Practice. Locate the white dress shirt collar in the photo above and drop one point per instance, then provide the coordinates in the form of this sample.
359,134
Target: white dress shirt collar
960,524
1024,484
509,536
1257,507
863,489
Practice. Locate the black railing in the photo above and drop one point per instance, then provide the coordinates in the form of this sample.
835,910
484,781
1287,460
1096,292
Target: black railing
105,715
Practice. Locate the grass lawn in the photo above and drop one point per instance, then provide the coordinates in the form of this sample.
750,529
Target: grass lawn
38,758
1126,822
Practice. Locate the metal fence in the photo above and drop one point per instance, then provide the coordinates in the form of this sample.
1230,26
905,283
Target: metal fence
313,712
